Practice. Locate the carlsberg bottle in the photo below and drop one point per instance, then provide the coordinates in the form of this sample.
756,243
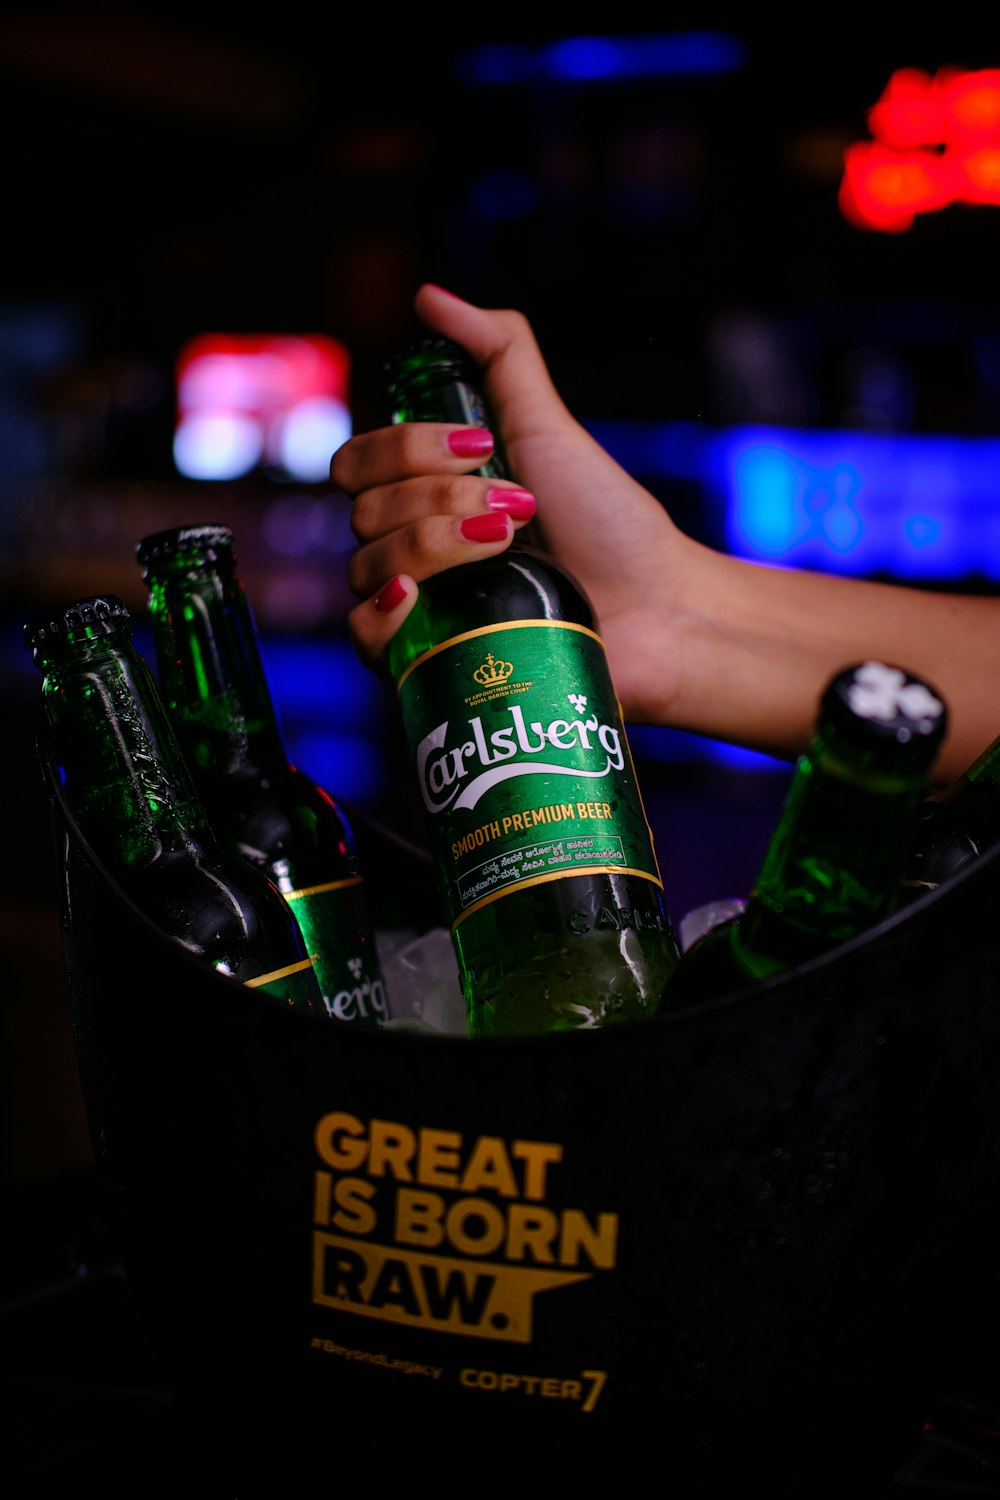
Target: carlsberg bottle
271,813
124,779
834,860
544,857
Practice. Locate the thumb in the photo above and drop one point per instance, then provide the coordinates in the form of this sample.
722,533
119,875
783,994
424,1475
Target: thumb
516,379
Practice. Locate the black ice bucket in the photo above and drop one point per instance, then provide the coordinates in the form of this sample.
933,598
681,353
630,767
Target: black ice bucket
754,1239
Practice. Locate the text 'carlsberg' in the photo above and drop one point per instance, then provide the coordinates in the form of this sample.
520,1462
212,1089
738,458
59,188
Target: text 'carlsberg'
459,777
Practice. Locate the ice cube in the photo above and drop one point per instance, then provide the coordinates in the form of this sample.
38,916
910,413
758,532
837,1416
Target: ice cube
701,918
421,978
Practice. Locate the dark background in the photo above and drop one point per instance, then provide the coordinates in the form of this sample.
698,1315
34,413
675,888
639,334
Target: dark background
297,168
302,169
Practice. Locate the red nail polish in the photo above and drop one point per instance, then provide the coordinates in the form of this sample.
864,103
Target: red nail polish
518,504
470,442
488,528
389,596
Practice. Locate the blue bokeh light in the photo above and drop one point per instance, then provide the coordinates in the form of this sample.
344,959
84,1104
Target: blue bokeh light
505,195
603,59
331,710
767,506
319,676
348,766
908,506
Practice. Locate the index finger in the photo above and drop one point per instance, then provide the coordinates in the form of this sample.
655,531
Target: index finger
406,450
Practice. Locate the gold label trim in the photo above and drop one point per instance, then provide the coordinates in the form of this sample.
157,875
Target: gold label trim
521,885
638,792
470,635
251,984
317,890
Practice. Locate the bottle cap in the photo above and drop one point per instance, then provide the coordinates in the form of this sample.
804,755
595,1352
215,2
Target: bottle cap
890,718
86,619
211,542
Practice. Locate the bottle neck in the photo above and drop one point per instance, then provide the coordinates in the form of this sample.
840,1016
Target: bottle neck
973,800
442,394
958,826
120,766
211,673
832,866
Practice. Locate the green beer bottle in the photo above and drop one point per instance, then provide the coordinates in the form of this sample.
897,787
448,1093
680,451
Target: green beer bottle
544,857
954,829
834,861
213,682
126,784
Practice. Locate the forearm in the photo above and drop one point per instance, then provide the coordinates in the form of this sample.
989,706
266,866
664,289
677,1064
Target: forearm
696,639
759,645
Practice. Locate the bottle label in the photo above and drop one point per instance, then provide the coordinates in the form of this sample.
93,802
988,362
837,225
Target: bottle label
295,984
334,923
522,762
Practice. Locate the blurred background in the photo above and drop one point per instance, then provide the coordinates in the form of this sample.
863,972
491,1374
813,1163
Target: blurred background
771,300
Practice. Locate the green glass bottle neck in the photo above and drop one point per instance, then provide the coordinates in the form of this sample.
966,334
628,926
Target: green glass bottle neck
519,584
437,393
984,771
974,798
211,673
959,825
121,768
831,867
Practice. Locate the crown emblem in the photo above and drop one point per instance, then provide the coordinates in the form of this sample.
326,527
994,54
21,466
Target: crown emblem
492,671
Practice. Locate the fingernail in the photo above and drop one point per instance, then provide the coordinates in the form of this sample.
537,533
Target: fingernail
489,528
389,596
470,442
518,504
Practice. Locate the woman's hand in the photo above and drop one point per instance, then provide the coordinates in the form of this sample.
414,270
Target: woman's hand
418,509
695,638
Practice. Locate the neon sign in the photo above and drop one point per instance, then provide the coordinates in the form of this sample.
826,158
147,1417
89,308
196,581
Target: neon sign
936,141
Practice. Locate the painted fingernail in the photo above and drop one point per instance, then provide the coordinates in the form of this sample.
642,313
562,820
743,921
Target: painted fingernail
470,442
489,528
518,504
389,596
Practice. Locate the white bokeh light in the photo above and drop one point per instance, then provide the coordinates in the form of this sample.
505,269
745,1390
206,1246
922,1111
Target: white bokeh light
217,445
308,436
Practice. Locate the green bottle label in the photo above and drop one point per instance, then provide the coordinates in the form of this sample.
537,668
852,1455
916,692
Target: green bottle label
295,984
522,762
333,922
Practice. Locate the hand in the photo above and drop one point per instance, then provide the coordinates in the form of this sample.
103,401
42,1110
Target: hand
418,509
695,638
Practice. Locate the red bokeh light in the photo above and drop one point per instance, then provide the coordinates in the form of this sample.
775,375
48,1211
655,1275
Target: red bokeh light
936,141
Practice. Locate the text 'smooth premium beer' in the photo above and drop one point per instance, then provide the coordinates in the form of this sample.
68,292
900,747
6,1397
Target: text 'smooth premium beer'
213,682
124,778
544,856
833,864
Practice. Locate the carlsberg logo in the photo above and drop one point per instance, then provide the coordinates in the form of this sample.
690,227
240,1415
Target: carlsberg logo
459,777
